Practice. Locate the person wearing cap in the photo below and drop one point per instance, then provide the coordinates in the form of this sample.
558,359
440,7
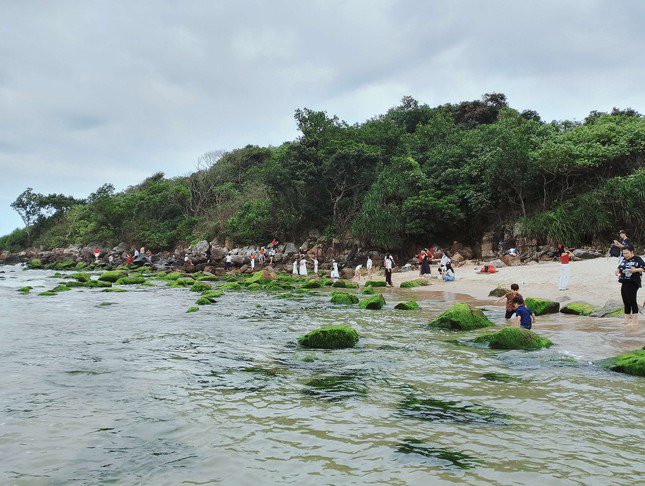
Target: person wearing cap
624,241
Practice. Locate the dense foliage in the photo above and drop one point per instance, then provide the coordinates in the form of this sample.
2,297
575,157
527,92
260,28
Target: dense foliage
414,175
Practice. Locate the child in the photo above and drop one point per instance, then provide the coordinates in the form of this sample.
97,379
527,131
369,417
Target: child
525,318
509,296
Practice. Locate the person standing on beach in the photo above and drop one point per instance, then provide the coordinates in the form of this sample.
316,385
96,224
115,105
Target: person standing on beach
229,262
425,264
335,274
369,266
624,241
261,257
565,273
629,273
509,296
389,265
315,266
303,266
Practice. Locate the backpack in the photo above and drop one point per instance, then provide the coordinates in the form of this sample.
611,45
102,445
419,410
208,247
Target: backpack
614,251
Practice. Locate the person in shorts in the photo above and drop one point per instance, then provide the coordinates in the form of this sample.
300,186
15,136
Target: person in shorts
525,318
509,296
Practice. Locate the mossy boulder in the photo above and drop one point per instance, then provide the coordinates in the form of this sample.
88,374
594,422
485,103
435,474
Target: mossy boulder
61,288
414,283
612,308
208,278
212,294
539,307
114,289
369,291
312,284
81,265
343,298
130,281
35,263
578,309
632,363
80,276
65,264
461,317
261,277
230,286
200,287
375,302
203,301
97,284
25,290
112,276
343,284
192,309
48,293
254,287
274,287
499,292
375,283
173,276
409,305
76,283
330,337
514,338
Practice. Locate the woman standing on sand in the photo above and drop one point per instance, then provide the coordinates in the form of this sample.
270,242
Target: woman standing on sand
565,273
335,274
629,272
425,264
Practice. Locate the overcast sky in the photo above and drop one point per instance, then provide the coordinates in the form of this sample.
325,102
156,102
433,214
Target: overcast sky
94,92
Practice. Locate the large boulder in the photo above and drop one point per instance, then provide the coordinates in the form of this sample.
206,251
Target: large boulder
457,258
499,292
290,249
375,302
218,253
330,337
409,305
498,263
612,308
461,317
514,338
540,307
262,277
632,363
586,254
511,260
343,298
199,247
112,276
578,309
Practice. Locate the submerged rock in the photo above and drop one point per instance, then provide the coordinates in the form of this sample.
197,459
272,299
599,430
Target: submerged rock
61,288
25,290
48,293
632,363
81,277
330,337
130,281
375,283
445,458
414,283
409,305
540,307
200,287
192,309
343,298
375,302
112,276
514,338
462,317
612,308
499,292
438,410
578,309
203,301
212,294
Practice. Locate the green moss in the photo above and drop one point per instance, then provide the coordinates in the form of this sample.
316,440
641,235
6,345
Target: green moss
200,287
212,294
343,298
208,278
99,284
343,284
374,302
259,278
369,291
81,277
375,283
230,286
173,276
540,307
65,264
228,278
499,292
274,287
48,292
501,377
312,284
330,337
81,265
437,410
578,308
514,338
113,290
414,283
285,295
74,283
335,388
61,288
254,287
112,276
461,317
444,457
35,263
632,363
409,305
25,290
57,275
130,281
192,309
106,304
203,301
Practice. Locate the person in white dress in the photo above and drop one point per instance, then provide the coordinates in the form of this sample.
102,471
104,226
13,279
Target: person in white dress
334,270
303,266
315,266
369,267
295,267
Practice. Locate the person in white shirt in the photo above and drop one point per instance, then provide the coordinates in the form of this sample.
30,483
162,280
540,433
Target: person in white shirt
315,266
445,260
334,270
389,265
303,266
229,262
369,266
358,271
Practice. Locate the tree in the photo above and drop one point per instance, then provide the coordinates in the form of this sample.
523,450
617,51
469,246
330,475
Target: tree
27,205
202,182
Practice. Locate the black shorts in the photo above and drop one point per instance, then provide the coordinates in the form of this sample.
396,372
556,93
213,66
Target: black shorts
509,314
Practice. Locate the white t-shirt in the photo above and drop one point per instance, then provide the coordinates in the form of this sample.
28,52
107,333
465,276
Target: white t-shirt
388,263
358,268
369,263
229,259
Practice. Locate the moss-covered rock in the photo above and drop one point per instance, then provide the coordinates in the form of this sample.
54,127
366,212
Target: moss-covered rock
375,283
173,276
374,302
48,293
343,284
81,265
274,287
200,287
285,295
312,284
112,276
76,284
130,281
192,309
369,291
203,301
35,263
499,292
65,264
114,289
578,309
98,284
25,290
419,282
612,308
540,307
254,287
80,276
409,305
514,338
343,298
230,286
261,277
632,363
330,337
212,294
61,288
461,317
208,278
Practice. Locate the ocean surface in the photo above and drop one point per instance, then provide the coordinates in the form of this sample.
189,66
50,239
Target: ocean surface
126,388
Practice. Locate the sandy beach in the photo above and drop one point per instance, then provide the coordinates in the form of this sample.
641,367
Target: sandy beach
592,281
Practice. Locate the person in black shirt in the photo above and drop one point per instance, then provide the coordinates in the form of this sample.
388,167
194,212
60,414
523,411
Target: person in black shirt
624,241
629,274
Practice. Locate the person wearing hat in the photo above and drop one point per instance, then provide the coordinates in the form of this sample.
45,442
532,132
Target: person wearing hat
624,241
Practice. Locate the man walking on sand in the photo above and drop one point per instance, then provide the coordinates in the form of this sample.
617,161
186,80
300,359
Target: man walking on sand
389,265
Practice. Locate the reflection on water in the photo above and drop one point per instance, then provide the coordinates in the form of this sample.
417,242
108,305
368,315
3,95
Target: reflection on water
128,388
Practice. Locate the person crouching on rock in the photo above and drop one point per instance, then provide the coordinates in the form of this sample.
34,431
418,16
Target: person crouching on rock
525,318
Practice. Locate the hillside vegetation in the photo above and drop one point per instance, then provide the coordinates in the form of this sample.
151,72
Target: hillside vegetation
415,174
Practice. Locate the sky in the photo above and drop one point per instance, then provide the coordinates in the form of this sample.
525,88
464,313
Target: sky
114,91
